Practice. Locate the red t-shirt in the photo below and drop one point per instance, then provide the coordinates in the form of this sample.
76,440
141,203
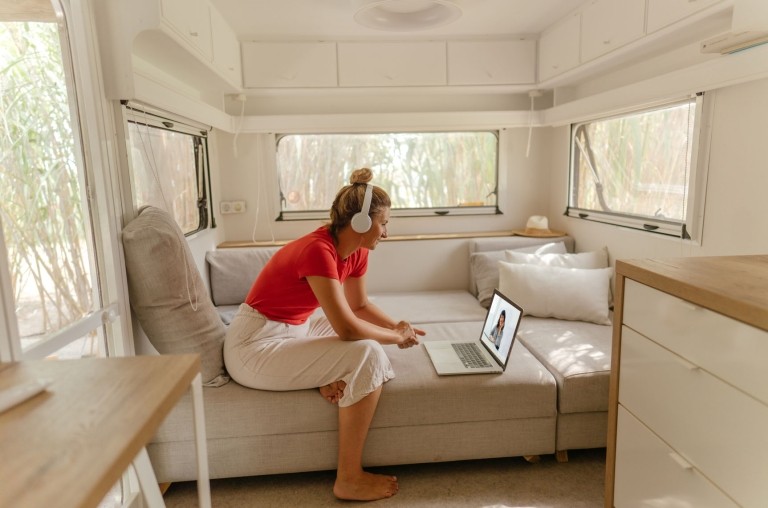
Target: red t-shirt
281,291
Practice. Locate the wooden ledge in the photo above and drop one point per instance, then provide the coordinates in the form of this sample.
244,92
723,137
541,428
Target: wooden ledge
397,238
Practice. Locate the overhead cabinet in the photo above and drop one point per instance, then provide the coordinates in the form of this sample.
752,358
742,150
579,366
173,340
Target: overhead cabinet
491,62
289,64
191,20
662,13
610,24
559,47
226,49
392,64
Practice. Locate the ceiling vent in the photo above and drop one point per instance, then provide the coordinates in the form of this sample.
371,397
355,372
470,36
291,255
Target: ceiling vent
733,41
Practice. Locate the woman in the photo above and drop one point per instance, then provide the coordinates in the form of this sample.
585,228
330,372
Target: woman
498,330
272,344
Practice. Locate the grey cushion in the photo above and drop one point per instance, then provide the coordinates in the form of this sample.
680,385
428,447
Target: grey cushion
483,271
232,272
168,295
578,354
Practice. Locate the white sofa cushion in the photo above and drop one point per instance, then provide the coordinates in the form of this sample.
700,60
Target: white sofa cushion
564,293
485,267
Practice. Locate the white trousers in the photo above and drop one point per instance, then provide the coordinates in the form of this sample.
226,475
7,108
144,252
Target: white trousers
270,355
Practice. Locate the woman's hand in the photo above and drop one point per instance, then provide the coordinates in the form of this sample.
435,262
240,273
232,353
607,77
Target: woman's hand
408,334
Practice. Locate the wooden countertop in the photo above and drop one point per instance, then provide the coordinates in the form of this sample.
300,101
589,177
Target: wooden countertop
736,286
67,446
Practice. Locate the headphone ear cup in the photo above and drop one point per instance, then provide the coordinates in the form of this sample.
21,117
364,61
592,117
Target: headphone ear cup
361,223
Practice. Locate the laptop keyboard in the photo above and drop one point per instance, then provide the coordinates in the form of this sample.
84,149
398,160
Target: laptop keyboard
470,355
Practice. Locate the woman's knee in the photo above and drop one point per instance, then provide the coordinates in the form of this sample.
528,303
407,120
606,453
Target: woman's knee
372,352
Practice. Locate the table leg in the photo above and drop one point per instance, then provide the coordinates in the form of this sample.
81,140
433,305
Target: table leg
147,480
201,448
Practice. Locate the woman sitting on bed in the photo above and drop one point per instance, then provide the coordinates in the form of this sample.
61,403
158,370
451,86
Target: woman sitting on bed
273,345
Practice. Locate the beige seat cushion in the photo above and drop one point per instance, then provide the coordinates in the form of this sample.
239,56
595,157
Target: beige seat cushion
578,354
416,396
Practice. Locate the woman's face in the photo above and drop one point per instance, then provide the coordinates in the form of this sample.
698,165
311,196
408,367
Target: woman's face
378,229
502,318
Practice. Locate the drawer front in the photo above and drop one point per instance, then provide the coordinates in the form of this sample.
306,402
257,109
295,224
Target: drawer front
650,473
717,428
729,349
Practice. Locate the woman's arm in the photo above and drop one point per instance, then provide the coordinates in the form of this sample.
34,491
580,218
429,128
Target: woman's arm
348,325
357,298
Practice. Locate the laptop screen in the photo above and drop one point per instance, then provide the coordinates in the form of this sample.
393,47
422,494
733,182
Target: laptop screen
500,327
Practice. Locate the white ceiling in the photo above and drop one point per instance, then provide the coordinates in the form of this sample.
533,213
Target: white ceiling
332,19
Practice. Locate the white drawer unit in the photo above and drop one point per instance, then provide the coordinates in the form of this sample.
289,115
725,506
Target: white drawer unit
688,408
718,429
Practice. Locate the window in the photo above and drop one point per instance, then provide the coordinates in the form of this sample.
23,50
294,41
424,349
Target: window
637,170
424,173
169,167
47,221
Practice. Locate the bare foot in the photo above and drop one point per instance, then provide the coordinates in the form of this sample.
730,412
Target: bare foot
365,487
333,392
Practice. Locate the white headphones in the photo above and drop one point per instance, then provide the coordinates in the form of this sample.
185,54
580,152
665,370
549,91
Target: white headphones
361,221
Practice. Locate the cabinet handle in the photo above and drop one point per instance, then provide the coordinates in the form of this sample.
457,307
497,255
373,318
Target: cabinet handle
607,42
680,461
688,365
690,306
193,34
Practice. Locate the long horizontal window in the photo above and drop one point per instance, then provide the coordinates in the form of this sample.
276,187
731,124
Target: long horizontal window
636,170
424,173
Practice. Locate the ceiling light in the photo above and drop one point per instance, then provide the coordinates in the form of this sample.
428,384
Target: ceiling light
406,15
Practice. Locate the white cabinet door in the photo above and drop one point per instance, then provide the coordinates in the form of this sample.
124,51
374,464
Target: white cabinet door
226,49
191,20
559,48
609,24
491,62
289,64
663,13
392,64
650,473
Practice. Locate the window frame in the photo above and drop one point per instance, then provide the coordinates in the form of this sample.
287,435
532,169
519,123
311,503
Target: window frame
690,227
303,215
143,115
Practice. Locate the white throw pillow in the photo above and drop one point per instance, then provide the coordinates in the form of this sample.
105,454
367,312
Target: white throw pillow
594,259
485,267
576,294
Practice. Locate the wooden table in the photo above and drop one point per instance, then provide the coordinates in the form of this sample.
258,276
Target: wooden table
67,447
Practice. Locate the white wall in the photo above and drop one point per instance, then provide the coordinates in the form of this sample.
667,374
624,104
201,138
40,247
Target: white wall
736,208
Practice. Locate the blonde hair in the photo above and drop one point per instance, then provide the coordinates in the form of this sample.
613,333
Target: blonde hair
349,200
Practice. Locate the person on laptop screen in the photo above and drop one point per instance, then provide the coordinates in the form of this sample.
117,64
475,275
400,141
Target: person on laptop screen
498,331
272,344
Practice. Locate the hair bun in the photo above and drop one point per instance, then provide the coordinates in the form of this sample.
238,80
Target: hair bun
362,175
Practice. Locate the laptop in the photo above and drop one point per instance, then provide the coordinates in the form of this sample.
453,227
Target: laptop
487,354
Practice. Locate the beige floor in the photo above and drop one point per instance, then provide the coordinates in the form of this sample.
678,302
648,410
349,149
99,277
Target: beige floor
493,483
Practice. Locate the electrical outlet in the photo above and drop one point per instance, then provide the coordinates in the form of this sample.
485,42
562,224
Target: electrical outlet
225,207
238,206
